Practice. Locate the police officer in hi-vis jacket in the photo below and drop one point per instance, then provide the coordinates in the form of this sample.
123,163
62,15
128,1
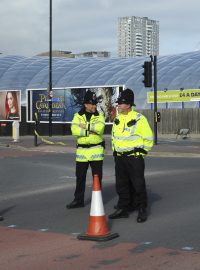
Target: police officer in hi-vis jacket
131,140
88,127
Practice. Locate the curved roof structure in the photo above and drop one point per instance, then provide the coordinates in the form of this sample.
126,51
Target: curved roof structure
174,72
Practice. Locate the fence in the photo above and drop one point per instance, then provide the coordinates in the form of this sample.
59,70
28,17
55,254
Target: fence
174,119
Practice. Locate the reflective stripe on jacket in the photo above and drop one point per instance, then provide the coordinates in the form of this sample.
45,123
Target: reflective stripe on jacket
92,134
131,131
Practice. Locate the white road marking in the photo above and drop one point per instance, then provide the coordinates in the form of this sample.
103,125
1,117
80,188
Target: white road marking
12,226
187,248
75,233
43,230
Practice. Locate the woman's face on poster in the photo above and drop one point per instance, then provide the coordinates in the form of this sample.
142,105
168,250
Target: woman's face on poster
10,101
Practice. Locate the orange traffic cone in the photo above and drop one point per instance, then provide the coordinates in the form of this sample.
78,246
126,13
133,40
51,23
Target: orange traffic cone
97,229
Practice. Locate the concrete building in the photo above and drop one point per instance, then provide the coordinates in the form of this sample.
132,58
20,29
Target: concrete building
137,36
68,54
95,54
56,53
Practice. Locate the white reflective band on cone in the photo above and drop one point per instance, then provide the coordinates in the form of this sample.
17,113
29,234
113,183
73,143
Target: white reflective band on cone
97,208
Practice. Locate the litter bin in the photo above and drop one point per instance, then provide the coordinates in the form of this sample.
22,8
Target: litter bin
15,131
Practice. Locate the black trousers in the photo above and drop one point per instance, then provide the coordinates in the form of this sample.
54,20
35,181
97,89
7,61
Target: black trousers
130,170
81,173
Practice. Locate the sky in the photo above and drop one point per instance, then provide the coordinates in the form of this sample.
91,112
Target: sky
91,25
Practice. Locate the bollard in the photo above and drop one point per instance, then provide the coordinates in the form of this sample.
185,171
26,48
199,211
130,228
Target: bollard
36,129
15,131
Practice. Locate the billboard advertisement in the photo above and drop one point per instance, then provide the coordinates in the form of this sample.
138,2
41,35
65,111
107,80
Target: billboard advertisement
67,101
185,95
10,105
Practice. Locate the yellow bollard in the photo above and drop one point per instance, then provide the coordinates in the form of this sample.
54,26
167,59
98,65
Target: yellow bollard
15,131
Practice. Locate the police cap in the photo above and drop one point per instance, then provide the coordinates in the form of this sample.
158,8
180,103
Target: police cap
126,97
90,98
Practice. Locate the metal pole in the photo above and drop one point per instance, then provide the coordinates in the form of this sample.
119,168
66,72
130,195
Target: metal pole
50,68
36,130
155,101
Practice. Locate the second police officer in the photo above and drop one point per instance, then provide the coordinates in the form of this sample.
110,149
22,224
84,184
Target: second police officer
131,140
88,127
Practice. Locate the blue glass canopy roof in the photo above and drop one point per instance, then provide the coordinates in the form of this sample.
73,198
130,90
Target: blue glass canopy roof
174,72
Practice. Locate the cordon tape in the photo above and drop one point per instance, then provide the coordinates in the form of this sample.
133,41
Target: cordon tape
43,139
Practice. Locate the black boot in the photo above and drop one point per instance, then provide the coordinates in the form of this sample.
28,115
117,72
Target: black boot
119,213
1,218
142,215
75,204
131,208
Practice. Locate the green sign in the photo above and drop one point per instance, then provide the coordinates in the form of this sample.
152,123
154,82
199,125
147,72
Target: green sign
186,95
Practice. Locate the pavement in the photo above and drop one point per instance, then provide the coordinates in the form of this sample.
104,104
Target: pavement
168,145
50,251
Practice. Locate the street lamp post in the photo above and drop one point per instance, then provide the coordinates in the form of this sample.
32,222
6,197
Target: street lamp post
50,92
148,83
155,101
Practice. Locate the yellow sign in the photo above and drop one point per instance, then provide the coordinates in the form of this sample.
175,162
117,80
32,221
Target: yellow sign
186,95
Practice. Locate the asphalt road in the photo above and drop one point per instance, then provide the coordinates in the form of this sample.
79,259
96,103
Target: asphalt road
35,187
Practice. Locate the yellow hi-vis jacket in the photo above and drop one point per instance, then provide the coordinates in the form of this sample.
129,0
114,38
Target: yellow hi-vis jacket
131,134
90,141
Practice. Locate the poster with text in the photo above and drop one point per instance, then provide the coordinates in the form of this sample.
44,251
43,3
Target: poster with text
67,101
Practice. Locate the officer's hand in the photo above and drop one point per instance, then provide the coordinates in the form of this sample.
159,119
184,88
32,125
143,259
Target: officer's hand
82,125
92,132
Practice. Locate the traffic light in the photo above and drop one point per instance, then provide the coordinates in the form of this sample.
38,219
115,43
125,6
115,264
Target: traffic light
158,117
147,74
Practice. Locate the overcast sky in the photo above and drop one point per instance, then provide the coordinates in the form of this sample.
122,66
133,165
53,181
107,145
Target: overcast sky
85,25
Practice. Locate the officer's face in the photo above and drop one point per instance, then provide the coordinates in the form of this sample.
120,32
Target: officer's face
91,108
124,108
